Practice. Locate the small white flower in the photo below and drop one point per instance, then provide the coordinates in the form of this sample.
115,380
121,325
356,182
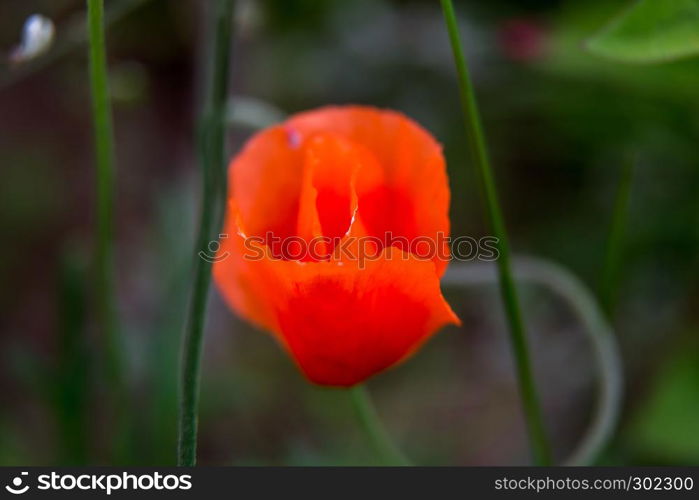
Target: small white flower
37,36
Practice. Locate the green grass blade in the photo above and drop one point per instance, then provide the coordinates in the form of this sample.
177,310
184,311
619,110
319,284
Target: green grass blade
612,261
104,255
212,162
532,411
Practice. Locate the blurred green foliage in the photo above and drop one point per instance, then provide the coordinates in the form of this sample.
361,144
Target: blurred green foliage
650,31
664,428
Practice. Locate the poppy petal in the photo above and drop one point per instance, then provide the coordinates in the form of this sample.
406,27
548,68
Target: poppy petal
413,199
342,324
341,321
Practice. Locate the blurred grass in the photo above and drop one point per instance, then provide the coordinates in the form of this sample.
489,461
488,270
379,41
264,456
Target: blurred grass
71,382
614,251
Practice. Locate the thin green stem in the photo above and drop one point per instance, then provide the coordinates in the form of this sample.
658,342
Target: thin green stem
372,425
532,411
610,273
212,162
104,149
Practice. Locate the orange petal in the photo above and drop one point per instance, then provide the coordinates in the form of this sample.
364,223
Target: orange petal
340,323
242,273
265,182
343,324
413,198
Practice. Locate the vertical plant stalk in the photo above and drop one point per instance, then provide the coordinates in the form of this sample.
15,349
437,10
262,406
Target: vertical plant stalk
532,411
211,144
372,426
104,255
610,273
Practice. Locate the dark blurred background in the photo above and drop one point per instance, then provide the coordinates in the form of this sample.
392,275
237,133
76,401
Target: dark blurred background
560,124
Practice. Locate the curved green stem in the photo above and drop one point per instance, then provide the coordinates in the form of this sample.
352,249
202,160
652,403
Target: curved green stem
532,411
372,425
607,359
212,162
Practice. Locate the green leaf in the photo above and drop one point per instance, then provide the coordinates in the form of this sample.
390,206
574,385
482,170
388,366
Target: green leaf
650,31
664,429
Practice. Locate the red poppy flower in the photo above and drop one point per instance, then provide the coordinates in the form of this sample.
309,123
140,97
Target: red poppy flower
356,188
